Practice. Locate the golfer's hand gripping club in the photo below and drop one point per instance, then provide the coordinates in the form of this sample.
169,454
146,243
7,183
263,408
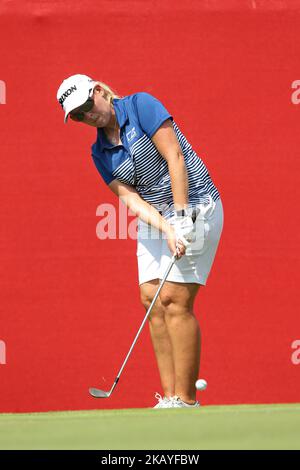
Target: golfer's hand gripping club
185,230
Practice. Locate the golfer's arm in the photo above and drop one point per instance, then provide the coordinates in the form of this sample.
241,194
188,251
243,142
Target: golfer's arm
138,206
166,142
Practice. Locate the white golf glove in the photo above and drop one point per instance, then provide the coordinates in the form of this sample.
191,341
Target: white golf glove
184,229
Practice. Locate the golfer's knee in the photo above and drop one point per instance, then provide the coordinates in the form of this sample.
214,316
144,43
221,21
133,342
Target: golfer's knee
166,299
147,293
173,307
157,311
145,299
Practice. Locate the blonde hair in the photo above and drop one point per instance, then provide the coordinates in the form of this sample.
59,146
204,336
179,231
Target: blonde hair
109,92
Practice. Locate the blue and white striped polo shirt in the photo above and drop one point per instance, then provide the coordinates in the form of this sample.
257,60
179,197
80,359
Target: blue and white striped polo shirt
138,163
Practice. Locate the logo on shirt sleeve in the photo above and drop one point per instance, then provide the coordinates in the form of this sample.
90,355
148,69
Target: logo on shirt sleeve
131,134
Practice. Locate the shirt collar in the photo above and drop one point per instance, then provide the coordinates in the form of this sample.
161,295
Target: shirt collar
120,110
122,117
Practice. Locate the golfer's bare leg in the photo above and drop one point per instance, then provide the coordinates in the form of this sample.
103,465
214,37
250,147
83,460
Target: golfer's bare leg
160,337
177,300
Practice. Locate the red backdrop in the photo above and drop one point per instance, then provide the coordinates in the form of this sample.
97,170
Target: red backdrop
69,301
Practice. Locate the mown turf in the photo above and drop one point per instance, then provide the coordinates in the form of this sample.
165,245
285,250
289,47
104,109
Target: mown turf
210,427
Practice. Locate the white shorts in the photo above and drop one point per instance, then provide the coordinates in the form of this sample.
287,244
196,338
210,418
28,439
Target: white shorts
154,256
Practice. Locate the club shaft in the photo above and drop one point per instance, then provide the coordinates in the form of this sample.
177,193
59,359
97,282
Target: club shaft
145,319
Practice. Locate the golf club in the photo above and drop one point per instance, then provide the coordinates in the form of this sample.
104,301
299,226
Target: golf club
97,393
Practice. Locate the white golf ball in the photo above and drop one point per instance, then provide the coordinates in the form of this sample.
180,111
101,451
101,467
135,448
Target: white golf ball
201,384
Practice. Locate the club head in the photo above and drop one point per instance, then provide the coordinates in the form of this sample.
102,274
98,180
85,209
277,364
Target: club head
96,393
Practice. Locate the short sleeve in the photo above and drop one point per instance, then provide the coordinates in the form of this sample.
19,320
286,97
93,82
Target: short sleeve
151,113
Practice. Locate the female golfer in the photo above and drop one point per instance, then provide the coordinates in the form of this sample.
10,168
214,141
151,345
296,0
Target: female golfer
146,161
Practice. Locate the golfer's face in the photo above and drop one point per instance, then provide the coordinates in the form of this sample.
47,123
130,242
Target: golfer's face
100,114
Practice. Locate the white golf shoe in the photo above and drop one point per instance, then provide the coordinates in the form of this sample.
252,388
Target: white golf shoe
163,402
178,403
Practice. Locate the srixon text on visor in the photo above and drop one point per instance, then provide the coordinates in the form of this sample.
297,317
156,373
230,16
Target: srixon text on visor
67,93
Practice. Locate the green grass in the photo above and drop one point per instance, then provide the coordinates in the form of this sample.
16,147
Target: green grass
210,427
